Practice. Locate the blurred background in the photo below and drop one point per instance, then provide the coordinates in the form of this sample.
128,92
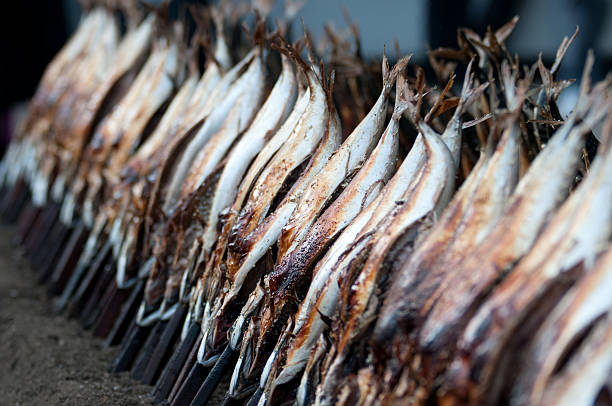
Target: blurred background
32,32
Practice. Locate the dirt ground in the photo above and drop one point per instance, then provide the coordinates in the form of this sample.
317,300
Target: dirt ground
46,359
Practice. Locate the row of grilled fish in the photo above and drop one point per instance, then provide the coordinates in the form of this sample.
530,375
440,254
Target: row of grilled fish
311,265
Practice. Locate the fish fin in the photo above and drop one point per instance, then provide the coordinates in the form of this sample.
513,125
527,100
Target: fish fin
390,76
440,102
565,44
402,96
469,94
326,319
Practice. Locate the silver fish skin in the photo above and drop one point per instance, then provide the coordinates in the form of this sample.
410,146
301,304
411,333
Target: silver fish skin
532,206
256,149
216,111
121,129
182,114
153,86
429,196
343,162
85,76
374,173
320,128
587,372
271,116
129,55
575,235
267,232
474,211
163,160
579,309
275,142
126,225
350,156
239,119
535,197
266,120
362,189
192,167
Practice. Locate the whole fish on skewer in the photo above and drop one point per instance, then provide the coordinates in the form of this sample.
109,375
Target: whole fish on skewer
121,131
86,76
273,112
293,269
230,214
500,251
124,64
122,214
236,118
232,220
379,166
56,81
340,166
165,184
427,195
543,274
318,133
322,300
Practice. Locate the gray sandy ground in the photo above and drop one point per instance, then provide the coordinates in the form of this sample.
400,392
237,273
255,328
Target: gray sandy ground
46,359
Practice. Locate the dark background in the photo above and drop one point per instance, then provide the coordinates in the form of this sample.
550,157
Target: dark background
31,33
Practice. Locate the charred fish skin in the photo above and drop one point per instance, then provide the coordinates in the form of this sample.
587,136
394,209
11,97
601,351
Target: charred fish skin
338,216
281,105
549,267
34,150
123,126
68,55
475,209
408,167
164,158
562,145
351,145
239,119
344,162
212,122
53,83
579,309
231,213
436,330
362,189
216,262
313,126
175,196
317,133
86,79
93,66
273,116
315,139
144,167
305,257
267,119
266,234
429,195
130,52
131,189
327,125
